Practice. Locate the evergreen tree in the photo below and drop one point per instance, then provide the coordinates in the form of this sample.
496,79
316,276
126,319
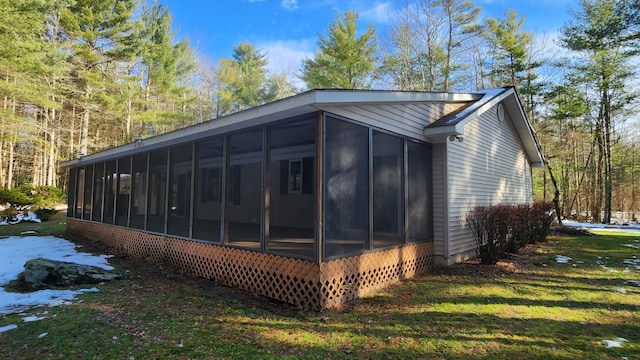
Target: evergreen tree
343,60
250,87
509,46
165,70
101,33
24,63
245,81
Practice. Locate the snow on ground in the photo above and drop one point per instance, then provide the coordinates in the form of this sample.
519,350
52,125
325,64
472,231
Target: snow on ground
614,343
31,216
14,253
8,327
561,259
631,228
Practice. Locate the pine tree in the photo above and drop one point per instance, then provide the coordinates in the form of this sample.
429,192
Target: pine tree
166,67
509,46
101,33
343,59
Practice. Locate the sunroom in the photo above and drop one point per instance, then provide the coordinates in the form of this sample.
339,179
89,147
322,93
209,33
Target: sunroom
313,200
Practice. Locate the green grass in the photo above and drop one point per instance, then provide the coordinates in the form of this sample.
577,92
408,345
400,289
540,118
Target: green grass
531,308
54,226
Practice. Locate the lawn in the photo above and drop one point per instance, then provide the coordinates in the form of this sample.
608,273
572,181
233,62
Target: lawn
530,307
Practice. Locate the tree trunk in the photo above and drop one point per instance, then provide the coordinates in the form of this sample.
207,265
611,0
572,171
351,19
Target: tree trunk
10,167
3,143
129,120
596,205
607,159
72,152
84,132
556,194
51,168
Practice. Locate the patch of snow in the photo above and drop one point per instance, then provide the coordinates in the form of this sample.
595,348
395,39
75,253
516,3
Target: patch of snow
635,228
634,282
632,246
633,263
32,318
621,290
31,216
609,269
7,327
43,335
561,259
29,232
14,253
614,343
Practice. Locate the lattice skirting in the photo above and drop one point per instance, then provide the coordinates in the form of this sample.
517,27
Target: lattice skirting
299,282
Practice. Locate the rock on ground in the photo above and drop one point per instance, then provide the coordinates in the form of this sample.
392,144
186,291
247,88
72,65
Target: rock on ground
41,273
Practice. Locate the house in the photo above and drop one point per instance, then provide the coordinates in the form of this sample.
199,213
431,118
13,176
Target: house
315,199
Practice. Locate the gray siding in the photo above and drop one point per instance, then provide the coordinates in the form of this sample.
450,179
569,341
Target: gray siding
490,167
439,198
408,119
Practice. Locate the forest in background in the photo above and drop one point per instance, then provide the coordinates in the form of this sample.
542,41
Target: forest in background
79,76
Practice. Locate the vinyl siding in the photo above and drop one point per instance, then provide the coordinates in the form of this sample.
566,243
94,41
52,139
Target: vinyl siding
408,119
439,198
490,167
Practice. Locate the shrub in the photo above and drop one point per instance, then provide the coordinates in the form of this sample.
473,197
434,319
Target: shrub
490,228
45,214
47,196
15,197
9,213
541,219
501,229
519,223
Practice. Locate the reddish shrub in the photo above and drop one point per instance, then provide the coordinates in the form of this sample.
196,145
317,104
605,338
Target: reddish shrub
507,228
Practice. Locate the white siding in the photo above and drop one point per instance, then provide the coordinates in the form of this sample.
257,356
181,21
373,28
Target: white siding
408,119
490,167
439,198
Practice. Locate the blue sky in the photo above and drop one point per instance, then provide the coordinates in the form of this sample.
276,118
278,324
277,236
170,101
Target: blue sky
287,30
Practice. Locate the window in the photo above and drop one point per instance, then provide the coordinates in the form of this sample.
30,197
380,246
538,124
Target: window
243,212
346,181
109,192
292,204
420,199
208,190
180,190
157,194
138,191
211,180
124,191
88,188
71,203
388,191
80,193
295,176
98,188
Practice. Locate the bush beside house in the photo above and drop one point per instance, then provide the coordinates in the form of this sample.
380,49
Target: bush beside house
501,229
26,198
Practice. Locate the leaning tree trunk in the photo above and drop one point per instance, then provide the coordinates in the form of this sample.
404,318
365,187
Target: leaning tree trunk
556,194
